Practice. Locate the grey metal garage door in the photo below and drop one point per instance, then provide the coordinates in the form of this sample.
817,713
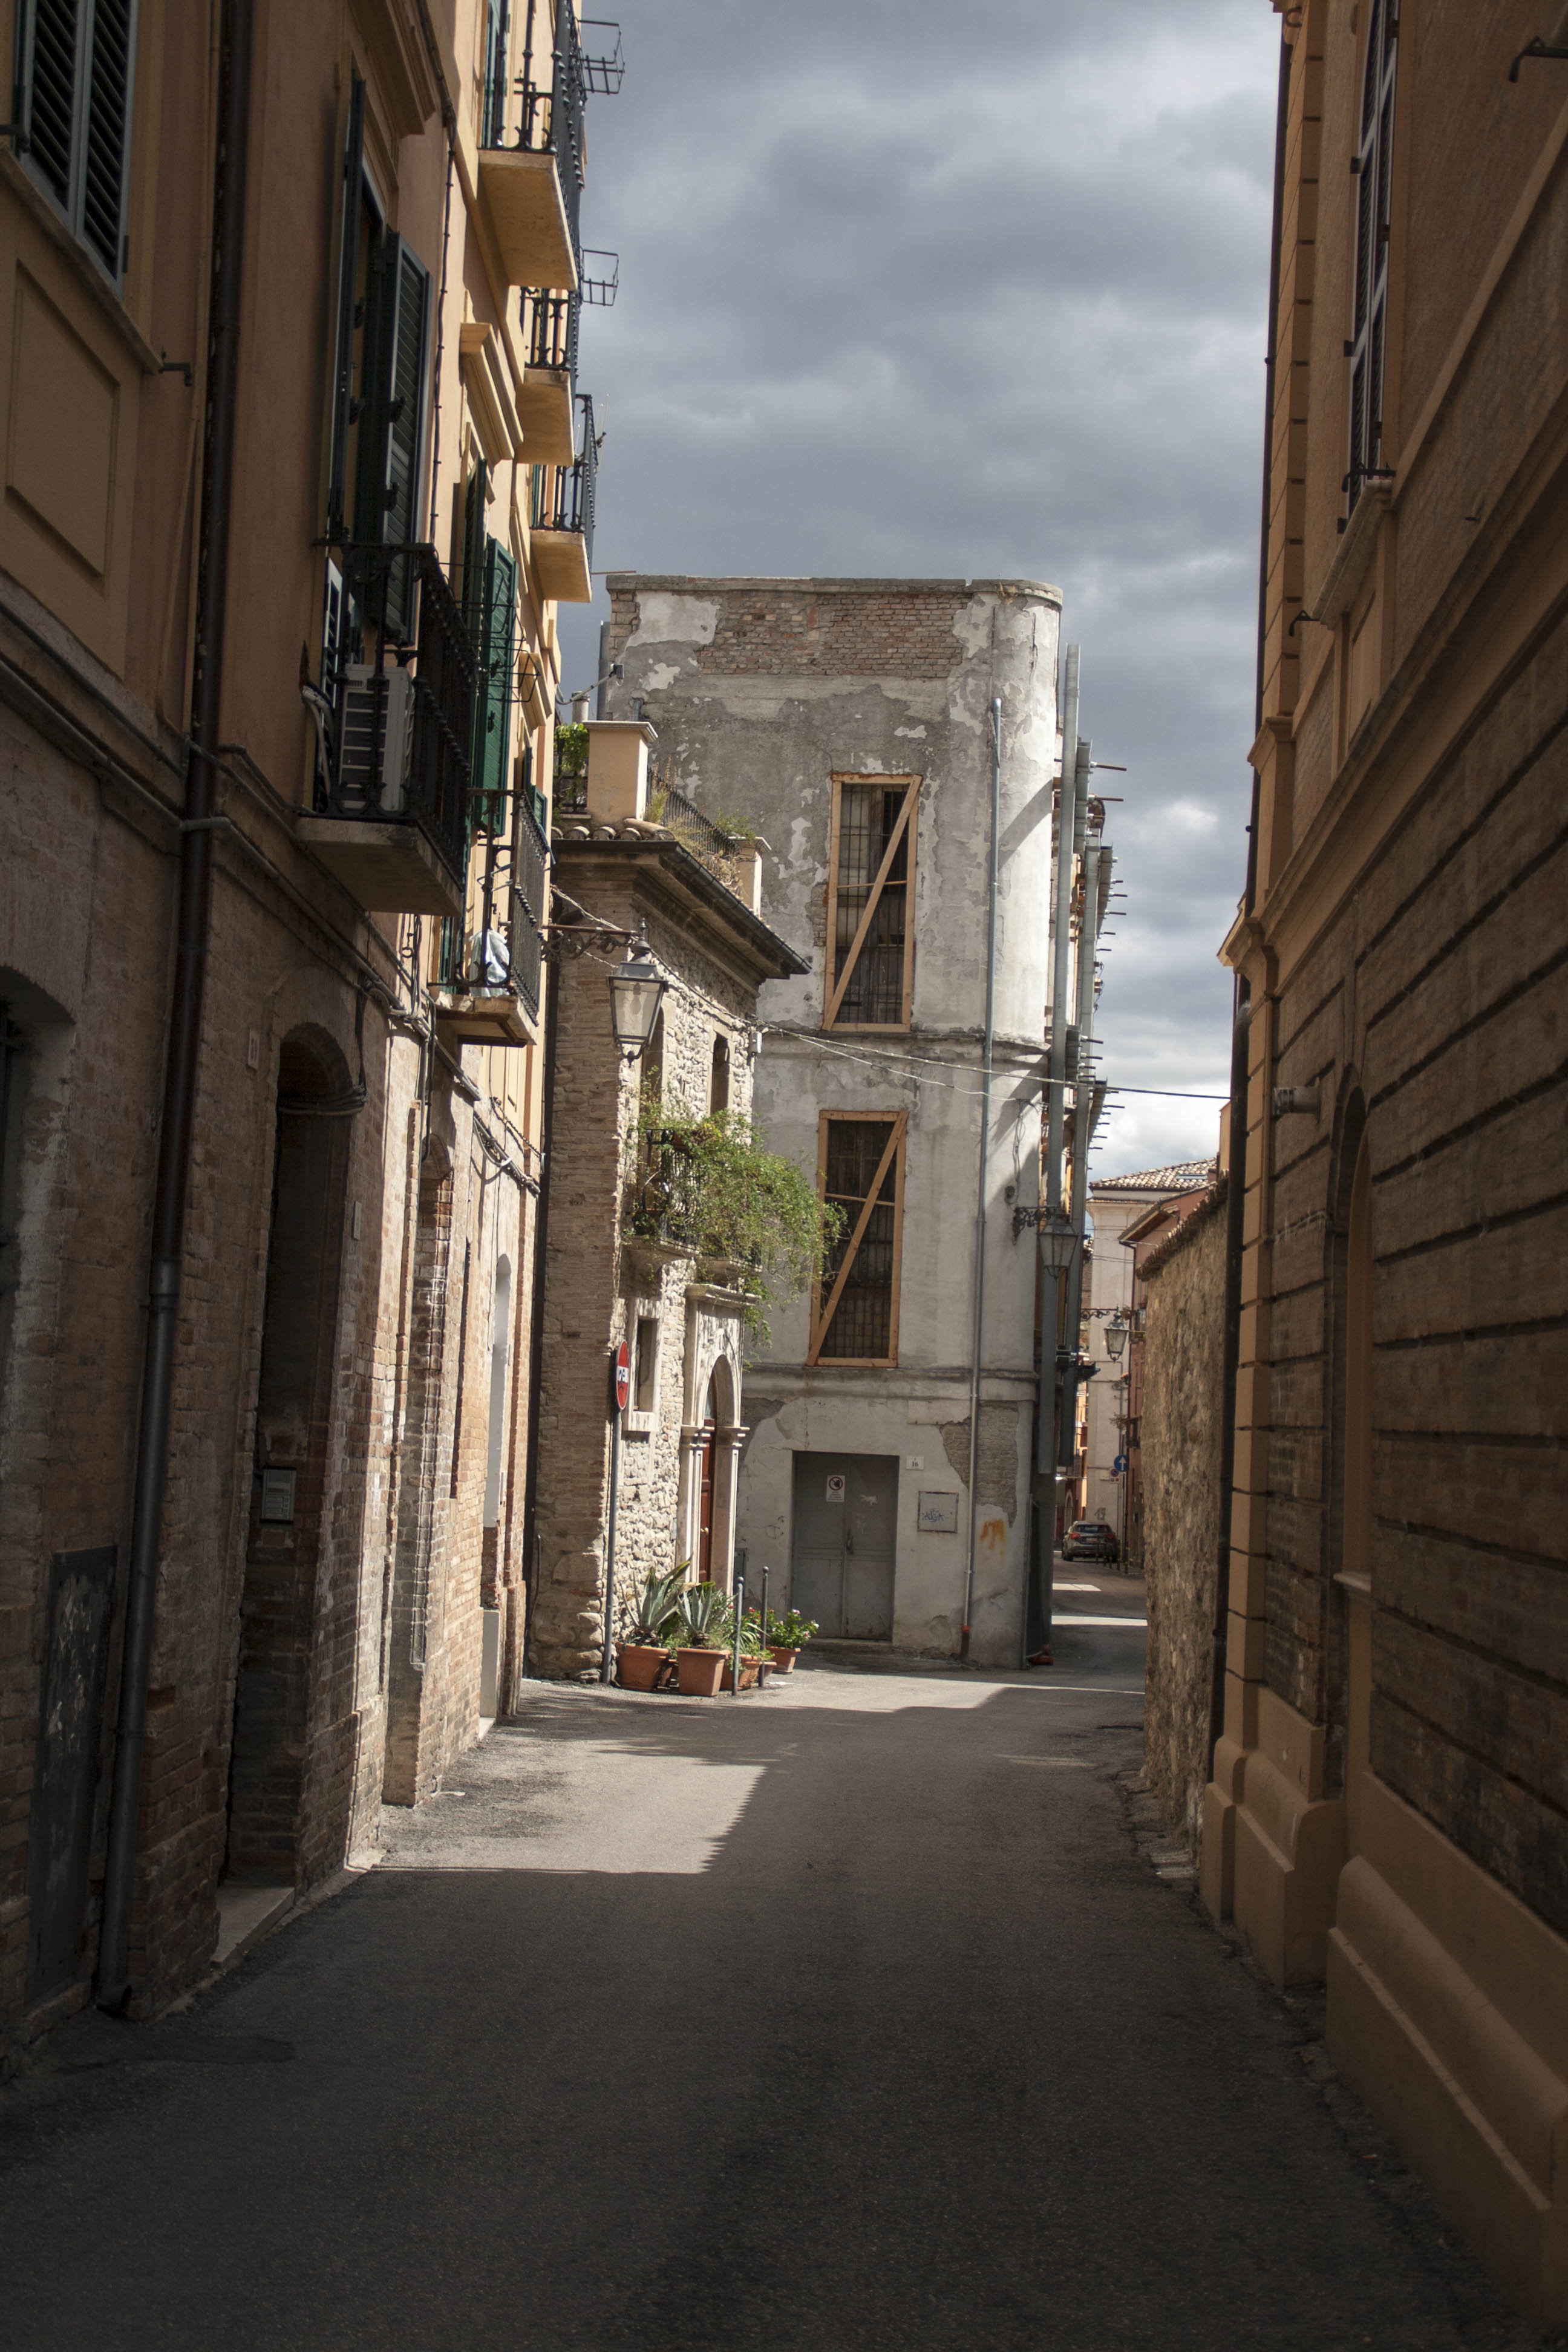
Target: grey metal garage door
846,1542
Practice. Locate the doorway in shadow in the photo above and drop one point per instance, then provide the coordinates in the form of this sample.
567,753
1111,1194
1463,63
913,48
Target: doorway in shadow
270,1746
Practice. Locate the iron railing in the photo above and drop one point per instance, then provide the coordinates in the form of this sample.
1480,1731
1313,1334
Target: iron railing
542,112
563,497
552,332
570,797
399,672
503,957
664,1203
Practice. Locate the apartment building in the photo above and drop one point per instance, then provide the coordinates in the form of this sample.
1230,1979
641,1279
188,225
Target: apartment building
1387,1804
297,475
886,1477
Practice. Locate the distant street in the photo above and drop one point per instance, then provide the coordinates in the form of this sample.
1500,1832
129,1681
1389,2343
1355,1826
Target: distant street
847,2015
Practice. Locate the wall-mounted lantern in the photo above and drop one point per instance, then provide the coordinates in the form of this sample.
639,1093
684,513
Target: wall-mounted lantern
636,991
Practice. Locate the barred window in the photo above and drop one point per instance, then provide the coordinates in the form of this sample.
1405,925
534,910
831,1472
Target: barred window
862,1175
870,873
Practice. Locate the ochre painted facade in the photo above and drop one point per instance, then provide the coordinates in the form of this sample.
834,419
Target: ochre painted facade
340,1586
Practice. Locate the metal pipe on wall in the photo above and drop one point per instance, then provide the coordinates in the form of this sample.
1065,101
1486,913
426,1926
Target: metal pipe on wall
984,1175
194,922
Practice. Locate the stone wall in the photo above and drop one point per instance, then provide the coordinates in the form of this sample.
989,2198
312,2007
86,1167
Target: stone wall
1182,1373
596,1282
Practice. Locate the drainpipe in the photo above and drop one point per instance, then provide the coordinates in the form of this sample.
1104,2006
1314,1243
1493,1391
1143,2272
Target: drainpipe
194,906
1235,1181
536,1314
985,1164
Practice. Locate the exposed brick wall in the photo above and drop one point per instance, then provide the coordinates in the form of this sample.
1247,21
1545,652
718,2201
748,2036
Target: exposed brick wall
817,628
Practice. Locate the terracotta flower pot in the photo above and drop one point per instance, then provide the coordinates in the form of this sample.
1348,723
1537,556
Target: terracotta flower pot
784,1661
699,1671
637,1667
750,1670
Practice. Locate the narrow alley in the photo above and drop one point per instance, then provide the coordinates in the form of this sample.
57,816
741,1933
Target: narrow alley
851,2015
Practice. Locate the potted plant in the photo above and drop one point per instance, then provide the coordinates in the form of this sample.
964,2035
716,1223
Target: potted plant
787,1637
644,1650
751,1651
702,1613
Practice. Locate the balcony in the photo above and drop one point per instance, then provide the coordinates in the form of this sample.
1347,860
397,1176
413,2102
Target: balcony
531,164
488,985
549,377
394,721
560,518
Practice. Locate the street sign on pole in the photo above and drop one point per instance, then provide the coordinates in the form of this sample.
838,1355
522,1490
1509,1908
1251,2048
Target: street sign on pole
623,1376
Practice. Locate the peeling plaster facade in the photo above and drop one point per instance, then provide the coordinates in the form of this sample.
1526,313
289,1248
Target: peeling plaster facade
762,691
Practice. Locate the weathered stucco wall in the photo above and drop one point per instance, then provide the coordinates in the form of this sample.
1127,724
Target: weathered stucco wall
1182,1400
763,691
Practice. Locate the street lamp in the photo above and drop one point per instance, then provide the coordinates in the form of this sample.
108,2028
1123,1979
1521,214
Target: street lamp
636,992
1059,1241
1115,1337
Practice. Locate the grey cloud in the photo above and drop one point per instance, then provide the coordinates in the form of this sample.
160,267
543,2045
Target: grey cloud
919,288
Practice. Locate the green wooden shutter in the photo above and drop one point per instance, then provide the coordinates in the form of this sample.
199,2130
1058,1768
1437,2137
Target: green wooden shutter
492,709
107,129
392,416
348,295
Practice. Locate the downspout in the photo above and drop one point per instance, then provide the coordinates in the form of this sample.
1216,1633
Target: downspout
984,1175
536,1319
1235,1179
180,1078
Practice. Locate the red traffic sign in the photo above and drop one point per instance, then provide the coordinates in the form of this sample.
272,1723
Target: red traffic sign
623,1376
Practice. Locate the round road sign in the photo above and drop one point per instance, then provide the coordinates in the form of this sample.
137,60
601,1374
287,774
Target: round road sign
623,1376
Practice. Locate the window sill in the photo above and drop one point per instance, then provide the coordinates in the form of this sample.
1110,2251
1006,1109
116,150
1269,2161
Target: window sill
42,214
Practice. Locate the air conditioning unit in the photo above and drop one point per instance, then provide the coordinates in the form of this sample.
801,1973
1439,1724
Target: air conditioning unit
377,711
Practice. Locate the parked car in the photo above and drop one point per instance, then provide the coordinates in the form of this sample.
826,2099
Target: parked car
1090,1540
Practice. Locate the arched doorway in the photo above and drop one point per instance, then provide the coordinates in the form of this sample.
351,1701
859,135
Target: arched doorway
293,1407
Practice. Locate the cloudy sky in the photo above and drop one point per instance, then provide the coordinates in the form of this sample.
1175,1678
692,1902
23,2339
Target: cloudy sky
973,287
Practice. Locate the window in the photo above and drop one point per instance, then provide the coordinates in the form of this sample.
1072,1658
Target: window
642,1406
872,862
381,387
74,70
1373,191
719,1082
492,106
856,1316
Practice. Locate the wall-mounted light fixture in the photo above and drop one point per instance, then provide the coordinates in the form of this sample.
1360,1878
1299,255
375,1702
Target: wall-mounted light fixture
636,991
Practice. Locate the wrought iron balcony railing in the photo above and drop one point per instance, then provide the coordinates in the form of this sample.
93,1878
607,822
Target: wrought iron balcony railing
504,955
563,497
542,112
399,672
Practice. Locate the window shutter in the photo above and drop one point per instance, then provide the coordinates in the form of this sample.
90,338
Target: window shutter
391,418
348,272
492,712
49,85
108,143
75,72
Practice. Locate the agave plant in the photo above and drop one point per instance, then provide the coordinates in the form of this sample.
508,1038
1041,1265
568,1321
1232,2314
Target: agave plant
654,1608
704,1613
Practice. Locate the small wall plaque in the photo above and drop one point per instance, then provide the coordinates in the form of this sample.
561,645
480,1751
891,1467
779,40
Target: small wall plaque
835,1488
938,1515
277,1496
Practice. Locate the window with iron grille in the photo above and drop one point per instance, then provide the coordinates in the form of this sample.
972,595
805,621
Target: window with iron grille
855,1314
871,867
1374,183
74,61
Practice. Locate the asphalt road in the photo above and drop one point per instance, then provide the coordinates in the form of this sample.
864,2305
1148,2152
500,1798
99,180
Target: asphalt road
847,2015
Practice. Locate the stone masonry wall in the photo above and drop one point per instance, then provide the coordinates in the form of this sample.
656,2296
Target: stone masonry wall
1181,1429
594,1281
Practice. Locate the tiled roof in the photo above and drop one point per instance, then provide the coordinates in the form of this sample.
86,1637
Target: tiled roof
1185,1176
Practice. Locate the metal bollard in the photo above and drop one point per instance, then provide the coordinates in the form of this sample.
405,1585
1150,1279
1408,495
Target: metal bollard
765,1667
740,1613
